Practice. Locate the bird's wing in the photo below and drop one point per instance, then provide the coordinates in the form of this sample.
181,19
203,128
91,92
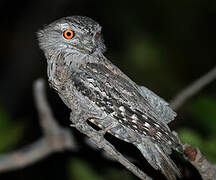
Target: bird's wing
120,97
138,96
159,104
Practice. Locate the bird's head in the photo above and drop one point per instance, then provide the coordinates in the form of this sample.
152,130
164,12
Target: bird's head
75,34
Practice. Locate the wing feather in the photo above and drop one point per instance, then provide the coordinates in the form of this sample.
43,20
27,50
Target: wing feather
160,106
135,96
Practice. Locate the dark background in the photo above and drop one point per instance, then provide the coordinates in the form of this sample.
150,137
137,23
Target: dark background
164,45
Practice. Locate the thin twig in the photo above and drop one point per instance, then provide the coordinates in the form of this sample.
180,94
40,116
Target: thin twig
55,137
193,89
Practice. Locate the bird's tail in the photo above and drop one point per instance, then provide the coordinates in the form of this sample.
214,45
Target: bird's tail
158,159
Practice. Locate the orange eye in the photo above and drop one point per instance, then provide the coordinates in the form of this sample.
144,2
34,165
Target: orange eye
68,34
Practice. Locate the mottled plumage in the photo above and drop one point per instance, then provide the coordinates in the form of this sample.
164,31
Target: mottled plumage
96,90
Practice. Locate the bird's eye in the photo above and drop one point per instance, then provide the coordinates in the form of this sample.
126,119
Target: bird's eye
68,34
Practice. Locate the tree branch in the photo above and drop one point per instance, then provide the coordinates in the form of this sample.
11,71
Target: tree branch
192,89
55,137
205,168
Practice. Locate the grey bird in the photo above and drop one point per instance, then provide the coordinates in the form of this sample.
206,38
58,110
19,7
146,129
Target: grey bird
97,91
